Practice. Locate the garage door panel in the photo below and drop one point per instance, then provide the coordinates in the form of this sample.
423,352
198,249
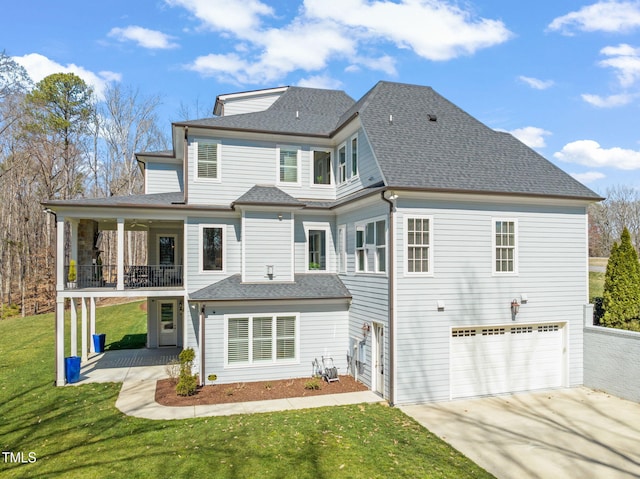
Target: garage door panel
494,360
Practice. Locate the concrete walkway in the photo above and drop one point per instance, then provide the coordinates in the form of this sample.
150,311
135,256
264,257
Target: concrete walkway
566,433
139,369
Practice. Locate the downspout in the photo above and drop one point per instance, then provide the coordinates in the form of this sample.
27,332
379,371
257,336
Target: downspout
201,345
185,165
391,301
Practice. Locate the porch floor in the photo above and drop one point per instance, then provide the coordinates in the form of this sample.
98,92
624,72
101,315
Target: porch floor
127,364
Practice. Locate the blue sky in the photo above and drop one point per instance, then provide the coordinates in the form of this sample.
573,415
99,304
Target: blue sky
564,77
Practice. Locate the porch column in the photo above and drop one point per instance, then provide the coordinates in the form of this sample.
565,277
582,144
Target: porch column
74,240
60,341
92,319
60,279
120,255
74,327
85,331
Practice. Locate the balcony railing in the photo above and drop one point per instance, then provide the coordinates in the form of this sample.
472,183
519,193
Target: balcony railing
136,276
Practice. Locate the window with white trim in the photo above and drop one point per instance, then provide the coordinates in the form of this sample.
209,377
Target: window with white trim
342,164
360,251
321,168
418,244
317,244
260,339
207,159
354,156
371,247
212,248
288,158
505,246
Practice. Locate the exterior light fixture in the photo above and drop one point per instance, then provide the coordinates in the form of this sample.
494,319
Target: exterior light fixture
515,307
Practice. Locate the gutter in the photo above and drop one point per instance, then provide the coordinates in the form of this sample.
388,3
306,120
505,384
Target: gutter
391,299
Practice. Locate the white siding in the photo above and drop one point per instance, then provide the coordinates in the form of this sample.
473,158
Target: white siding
243,164
249,103
267,240
552,273
197,280
322,332
305,222
368,171
163,178
370,292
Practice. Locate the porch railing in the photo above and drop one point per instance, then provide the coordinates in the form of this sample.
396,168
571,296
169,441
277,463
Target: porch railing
135,276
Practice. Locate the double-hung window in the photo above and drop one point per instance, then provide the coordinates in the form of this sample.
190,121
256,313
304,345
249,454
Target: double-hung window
505,254
371,247
342,164
260,339
419,252
212,248
288,158
207,159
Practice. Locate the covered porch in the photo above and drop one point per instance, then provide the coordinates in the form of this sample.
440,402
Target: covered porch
166,318
101,254
128,364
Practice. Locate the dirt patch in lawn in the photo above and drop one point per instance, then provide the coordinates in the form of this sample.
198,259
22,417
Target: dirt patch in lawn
253,391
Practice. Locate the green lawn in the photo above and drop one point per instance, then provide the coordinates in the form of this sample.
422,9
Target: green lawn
596,284
76,432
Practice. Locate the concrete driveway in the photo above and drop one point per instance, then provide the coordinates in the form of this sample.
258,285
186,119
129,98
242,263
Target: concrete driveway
567,433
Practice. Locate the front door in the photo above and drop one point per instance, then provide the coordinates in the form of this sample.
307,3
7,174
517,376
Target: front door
378,358
168,323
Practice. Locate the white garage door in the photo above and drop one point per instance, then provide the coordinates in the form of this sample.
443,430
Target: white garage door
507,358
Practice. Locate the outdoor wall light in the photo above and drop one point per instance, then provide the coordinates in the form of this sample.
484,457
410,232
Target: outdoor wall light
270,270
515,307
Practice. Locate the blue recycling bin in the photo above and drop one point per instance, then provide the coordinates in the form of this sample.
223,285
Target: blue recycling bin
98,342
72,369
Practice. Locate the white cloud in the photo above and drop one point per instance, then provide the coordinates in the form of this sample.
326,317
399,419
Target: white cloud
610,101
531,136
328,30
588,176
144,37
38,67
536,83
433,29
590,153
625,59
604,16
321,81
241,17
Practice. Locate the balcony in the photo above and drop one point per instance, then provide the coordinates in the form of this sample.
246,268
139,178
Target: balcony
135,276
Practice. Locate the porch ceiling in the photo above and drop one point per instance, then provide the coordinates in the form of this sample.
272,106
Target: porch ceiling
135,224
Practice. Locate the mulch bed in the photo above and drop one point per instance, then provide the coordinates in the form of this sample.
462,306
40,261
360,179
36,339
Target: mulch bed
252,391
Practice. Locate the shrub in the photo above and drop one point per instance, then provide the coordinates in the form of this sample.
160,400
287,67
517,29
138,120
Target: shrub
73,274
187,382
173,370
621,296
312,384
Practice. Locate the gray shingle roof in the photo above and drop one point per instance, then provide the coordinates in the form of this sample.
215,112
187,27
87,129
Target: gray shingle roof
318,114
152,200
454,152
305,286
267,195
